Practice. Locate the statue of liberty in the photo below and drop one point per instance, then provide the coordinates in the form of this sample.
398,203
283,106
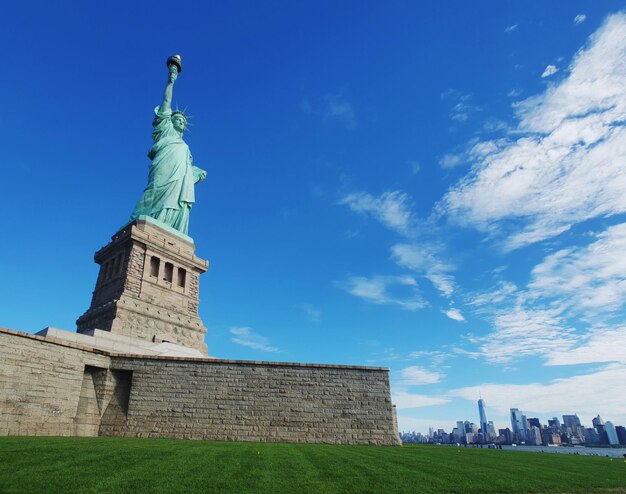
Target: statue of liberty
169,195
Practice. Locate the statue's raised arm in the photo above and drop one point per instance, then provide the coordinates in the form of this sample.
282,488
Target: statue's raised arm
170,192
174,66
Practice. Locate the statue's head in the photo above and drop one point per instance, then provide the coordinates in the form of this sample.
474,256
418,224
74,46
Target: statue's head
179,121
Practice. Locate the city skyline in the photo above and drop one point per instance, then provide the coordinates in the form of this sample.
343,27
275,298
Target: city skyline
525,430
436,188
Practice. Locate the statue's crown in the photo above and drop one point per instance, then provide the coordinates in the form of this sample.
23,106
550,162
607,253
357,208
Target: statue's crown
178,111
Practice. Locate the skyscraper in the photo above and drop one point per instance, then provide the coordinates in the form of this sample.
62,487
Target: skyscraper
483,417
518,424
572,422
611,433
597,421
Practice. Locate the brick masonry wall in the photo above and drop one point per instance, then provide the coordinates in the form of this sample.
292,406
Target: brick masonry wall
257,401
50,387
41,386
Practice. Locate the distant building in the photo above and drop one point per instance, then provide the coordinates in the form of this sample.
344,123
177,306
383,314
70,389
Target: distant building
592,436
554,423
516,422
611,433
483,416
534,422
598,425
597,421
571,422
554,439
534,436
491,431
621,434
505,436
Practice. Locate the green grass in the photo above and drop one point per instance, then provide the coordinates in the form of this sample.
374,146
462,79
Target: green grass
117,465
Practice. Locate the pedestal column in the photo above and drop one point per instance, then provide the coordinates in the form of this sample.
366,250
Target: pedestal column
148,286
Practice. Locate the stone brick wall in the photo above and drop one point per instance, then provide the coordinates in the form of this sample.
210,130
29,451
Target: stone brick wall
257,401
42,385
51,387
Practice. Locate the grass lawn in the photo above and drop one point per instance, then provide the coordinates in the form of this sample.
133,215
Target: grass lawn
118,465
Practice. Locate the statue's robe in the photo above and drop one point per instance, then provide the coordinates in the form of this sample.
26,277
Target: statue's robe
169,195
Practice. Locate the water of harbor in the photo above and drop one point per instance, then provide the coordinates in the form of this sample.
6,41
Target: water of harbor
571,450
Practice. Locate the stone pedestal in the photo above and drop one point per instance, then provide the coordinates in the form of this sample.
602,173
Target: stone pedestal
148,287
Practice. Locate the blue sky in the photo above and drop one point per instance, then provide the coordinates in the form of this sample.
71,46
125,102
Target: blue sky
438,188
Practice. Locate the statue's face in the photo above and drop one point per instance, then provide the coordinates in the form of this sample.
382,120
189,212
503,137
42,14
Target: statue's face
179,122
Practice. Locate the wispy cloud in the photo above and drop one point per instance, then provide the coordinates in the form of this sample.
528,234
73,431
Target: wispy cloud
599,345
589,280
505,291
391,208
549,70
415,166
404,399
338,108
311,312
579,19
424,260
377,290
564,162
452,160
455,315
415,376
511,28
332,107
436,357
246,337
566,312
524,332
463,106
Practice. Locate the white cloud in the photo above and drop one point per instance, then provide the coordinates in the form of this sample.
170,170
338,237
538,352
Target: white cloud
565,164
599,345
601,390
436,357
462,108
451,160
376,290
247,337
415,376
579,19
392,208
579,284
549,70
404,399
524,332
511,28
505,291
423,259
590,279
455,314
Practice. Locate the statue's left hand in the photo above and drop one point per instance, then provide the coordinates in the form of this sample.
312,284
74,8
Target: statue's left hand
198,174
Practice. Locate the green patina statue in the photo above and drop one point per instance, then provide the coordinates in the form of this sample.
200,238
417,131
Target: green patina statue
169,195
